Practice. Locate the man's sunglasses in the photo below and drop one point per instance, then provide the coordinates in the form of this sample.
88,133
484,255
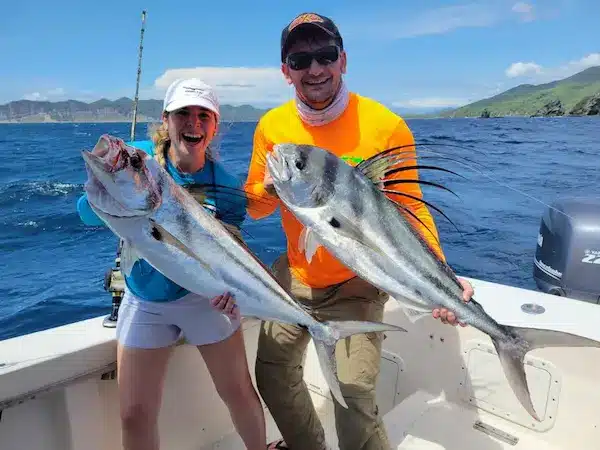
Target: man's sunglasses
303,60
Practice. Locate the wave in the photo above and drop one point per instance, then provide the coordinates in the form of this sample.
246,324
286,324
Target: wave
31,190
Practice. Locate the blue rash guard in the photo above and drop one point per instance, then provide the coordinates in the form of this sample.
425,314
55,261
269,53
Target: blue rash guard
145,281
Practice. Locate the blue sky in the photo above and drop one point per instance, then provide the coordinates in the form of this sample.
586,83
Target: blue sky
409,55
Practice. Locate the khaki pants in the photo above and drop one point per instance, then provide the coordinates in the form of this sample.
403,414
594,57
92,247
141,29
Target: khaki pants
279,371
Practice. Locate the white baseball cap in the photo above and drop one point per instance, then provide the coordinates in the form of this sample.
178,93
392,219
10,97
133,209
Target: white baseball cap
190,92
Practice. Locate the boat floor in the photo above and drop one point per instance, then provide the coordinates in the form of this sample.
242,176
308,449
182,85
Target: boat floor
420,422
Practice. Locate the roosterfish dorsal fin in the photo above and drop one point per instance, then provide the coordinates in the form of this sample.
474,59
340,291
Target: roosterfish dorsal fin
374,170
379,168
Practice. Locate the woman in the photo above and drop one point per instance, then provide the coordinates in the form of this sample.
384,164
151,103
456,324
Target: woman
155,312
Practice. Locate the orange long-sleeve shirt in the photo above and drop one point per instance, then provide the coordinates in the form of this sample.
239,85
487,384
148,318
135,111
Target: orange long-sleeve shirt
364,129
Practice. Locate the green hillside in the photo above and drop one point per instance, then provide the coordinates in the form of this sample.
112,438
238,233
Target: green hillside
556,98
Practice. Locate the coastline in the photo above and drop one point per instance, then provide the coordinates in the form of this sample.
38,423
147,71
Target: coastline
25,122
32,120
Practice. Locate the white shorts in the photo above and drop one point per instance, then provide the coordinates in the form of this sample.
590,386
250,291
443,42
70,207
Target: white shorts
145,324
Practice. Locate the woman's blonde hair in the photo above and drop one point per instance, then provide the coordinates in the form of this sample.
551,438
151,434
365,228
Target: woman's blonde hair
160,137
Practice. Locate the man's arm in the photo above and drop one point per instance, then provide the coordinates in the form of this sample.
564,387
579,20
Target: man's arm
261,203
402,136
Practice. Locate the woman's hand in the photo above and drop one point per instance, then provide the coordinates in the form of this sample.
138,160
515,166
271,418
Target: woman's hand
225,303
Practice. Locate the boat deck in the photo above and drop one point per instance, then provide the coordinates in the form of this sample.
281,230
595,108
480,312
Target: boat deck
440,387
421,422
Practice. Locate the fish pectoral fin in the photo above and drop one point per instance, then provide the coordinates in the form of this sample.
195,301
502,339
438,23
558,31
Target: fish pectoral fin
128,258
308,243
413,308
350,230
414,315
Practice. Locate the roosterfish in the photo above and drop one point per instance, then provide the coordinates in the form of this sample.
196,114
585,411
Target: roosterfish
345,209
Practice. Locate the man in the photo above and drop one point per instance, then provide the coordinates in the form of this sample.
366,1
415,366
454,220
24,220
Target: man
324,113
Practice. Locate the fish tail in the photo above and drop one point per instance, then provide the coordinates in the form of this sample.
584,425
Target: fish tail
511,353
326,349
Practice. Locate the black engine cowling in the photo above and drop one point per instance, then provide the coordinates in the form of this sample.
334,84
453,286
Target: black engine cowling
567,257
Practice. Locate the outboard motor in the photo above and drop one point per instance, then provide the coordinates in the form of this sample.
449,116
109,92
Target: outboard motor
567,257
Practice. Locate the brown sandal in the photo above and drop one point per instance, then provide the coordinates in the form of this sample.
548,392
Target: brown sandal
277,445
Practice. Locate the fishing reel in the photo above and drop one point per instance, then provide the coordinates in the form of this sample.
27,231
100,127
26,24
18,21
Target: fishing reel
115,284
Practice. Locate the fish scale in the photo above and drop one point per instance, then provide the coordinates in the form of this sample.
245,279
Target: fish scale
381,246
182,240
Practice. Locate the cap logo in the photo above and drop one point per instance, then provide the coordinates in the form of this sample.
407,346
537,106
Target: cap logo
199,93
305,18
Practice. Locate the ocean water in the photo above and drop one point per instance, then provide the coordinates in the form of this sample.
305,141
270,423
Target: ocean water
52,266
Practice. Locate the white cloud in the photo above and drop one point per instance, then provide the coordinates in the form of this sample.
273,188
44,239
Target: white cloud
537,73
525,10
445,19
591,60
396,24
34,96
55,94
234,85
520,69
430,102
521,7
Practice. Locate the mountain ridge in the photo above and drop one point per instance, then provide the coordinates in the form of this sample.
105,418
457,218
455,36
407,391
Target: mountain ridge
560,97
576,95
105,110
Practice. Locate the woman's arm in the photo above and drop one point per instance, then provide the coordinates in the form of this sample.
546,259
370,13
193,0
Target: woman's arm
231,203
86,213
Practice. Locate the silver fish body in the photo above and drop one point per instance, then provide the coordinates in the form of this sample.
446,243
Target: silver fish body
162,223
344,210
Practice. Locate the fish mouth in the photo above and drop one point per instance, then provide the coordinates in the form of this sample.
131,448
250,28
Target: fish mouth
277,165
98,170
97,165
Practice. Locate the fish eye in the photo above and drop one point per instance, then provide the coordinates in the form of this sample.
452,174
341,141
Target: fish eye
136,161
300,164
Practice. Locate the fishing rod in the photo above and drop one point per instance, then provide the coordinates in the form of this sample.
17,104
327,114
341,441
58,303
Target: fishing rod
113,278
139,73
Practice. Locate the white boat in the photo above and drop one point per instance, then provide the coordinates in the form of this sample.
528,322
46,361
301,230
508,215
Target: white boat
440,387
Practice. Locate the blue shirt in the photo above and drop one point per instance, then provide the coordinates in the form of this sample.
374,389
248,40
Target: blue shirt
145,281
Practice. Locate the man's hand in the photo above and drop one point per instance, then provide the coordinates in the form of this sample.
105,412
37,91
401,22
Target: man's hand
226,304
448,316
